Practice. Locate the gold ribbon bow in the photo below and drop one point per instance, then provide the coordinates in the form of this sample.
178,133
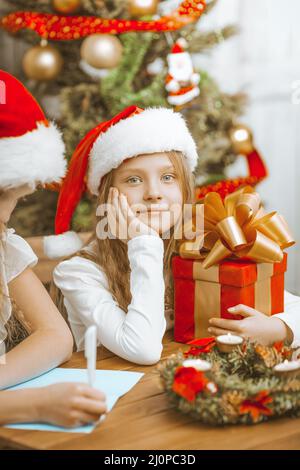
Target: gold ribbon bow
238,227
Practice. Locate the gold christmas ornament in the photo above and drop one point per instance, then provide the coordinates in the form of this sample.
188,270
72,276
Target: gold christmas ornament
42,62
242,139
66,6
139,8
101,51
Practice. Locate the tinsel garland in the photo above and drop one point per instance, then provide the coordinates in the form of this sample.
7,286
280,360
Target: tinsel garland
226,187
241,387
62,28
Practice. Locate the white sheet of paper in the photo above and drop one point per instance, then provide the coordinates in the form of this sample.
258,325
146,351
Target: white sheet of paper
113,383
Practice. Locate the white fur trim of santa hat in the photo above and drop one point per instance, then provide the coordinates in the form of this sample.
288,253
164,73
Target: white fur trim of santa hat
151,131
59,246
34,157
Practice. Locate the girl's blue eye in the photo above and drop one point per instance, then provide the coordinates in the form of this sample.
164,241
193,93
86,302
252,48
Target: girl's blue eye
172,177
130,180
135,179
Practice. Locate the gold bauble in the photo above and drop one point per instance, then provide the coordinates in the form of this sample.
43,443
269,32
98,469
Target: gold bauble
66,6
242,139
101,51
42,62
139,8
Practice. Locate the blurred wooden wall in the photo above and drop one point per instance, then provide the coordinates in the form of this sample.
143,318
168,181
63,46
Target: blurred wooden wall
11,49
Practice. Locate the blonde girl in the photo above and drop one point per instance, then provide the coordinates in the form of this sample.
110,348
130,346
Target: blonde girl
140,163
33,336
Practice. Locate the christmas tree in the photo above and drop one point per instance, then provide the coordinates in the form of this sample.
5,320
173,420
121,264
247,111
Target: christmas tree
94,76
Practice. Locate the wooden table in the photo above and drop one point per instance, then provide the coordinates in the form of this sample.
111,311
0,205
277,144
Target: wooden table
144,419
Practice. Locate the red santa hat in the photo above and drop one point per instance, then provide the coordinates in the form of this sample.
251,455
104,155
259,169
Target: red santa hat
31,148
179,46
132,132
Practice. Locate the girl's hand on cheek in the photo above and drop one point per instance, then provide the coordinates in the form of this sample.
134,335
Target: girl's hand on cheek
122,222
255,325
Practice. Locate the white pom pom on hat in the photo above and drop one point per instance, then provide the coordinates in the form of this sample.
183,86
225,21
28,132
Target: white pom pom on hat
66,244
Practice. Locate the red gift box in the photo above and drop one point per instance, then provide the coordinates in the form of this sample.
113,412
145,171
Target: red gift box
200,294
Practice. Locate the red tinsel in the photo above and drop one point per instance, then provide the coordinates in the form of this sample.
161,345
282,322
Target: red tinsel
226,187
61,28
257,172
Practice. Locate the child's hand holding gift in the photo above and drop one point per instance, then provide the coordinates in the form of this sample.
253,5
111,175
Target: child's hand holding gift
255,325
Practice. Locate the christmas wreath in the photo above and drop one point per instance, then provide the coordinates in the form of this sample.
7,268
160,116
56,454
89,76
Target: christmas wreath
240,388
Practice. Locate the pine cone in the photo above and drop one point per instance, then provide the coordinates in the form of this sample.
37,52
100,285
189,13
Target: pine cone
230,403
268,355
235,398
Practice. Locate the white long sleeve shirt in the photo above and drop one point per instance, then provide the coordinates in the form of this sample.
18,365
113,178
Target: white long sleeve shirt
136,335
15,256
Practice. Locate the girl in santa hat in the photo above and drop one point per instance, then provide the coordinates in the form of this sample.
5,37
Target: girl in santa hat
118,282
31,154
140,164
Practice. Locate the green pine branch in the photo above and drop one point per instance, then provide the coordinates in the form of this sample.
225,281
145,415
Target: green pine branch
119,89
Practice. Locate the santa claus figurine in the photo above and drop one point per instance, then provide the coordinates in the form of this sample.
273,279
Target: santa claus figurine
181,81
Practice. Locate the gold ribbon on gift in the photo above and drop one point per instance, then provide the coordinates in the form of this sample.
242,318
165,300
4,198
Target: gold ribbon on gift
238,227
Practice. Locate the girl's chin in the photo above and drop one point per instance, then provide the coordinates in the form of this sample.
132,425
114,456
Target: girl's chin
155,222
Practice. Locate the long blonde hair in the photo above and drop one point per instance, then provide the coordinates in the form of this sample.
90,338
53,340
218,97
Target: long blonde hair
112,255
17,328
